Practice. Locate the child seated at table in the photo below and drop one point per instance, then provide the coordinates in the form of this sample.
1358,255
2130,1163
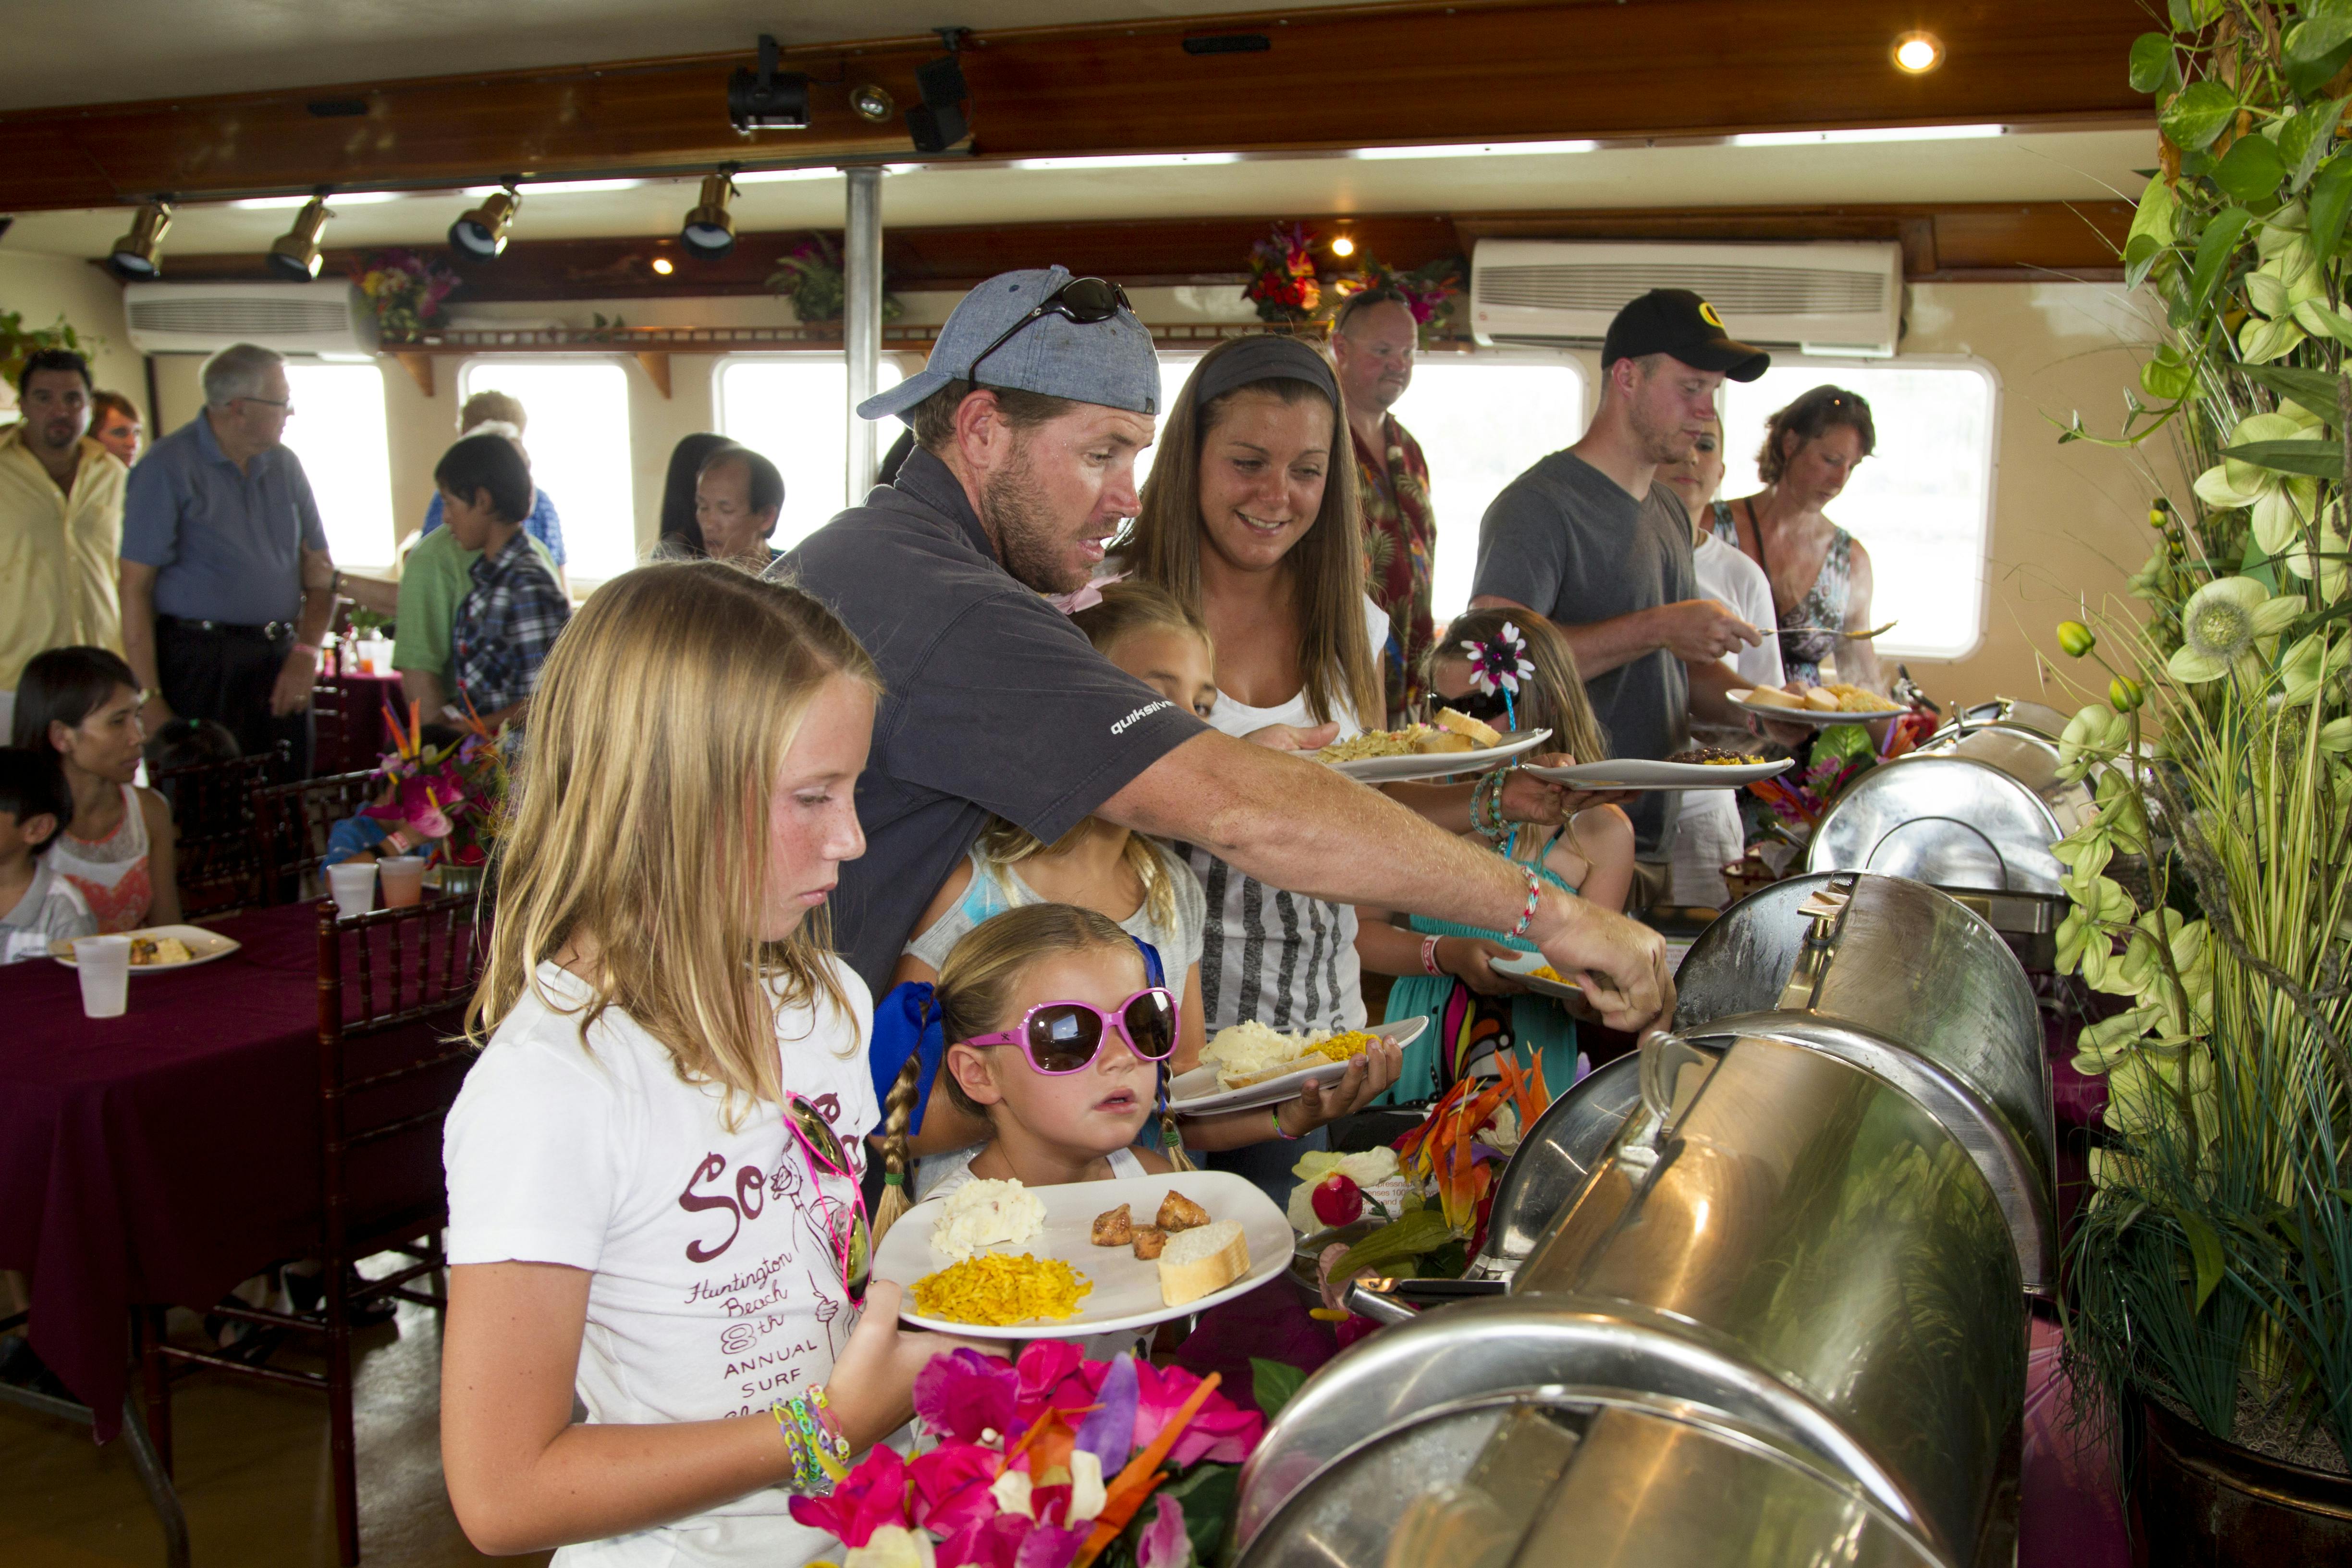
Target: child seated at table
37,906
117,848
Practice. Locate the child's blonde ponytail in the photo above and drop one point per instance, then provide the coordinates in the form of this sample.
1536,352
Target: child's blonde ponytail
898,1113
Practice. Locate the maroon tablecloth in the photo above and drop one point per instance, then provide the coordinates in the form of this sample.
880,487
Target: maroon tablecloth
164,1155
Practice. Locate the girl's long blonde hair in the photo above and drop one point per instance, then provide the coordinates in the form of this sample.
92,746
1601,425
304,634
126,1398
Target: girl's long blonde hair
1127,607
638,825
1555,699
975,995
1162,545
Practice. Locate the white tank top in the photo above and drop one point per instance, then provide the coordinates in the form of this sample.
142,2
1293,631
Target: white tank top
110,872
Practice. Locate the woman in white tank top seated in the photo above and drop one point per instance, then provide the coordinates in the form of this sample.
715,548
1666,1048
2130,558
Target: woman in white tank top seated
83,704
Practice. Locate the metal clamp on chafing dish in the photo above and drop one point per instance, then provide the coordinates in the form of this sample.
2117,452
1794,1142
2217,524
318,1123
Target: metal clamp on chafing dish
1393,1300
1664,1057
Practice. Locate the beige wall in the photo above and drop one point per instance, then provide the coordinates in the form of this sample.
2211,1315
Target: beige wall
40,289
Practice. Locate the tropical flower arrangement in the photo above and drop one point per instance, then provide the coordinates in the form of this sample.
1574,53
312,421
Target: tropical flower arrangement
449,795
809,275
1047,1462
1841,753
1283,284
2211,889
406,288
1426,289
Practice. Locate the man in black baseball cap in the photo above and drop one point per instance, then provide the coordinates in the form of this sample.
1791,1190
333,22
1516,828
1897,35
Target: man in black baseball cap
1586,538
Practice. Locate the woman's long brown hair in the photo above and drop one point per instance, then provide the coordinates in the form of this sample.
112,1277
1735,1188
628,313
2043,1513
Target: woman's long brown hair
637,832
1162,546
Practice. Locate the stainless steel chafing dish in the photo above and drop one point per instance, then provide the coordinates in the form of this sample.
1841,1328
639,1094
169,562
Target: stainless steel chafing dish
1781,1316
1973,812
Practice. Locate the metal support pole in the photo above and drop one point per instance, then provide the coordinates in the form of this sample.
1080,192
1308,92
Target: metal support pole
861,318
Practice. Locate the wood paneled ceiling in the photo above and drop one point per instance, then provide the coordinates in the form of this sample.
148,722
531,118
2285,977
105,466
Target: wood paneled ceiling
1334,77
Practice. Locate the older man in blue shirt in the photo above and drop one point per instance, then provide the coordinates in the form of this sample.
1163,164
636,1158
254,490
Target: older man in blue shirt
226,583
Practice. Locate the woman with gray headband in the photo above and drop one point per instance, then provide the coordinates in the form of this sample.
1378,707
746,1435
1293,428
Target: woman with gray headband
1239,522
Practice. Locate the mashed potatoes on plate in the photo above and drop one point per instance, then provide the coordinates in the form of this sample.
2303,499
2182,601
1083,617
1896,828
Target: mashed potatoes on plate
984,1214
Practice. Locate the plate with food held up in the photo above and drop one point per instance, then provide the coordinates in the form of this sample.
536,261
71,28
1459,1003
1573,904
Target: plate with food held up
1701,767
998,1261
156,948
1451,743
1819,707
1250,1064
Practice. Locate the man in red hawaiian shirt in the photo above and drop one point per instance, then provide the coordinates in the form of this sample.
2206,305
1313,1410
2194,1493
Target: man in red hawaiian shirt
1372,341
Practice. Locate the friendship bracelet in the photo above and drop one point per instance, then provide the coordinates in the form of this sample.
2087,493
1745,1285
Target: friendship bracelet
1487,795
813,1437
1287,1136
1429,963
1535,898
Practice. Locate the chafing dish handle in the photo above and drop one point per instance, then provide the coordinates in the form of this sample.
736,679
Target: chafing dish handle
1378,1306
1664,1057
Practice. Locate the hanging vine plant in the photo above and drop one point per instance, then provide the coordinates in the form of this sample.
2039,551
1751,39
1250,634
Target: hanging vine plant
810,276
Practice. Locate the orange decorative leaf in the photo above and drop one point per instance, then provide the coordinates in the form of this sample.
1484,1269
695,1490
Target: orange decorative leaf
1125,1494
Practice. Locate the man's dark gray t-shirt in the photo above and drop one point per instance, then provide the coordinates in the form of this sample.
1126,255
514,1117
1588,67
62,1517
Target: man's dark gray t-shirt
992,702
1565,539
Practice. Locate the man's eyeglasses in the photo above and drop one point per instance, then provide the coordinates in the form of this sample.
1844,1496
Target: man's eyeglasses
285,402
852,1237
1085,300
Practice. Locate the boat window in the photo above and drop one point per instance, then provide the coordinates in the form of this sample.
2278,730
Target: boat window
578,437
793,410
338,431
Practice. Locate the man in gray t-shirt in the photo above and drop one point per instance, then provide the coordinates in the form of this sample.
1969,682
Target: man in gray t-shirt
1586,538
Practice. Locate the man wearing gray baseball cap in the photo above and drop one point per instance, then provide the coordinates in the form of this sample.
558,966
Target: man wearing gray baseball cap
1040,389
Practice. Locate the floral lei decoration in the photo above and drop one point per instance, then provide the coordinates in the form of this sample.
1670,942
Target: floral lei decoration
1500,664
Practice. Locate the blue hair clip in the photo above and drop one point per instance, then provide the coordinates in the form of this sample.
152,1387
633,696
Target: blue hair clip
908,1023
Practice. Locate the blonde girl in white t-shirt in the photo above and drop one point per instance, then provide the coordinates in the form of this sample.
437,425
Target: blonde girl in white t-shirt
653,1168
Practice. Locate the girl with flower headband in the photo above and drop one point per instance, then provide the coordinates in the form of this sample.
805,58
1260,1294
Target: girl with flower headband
1509,670
1142,886
653,1167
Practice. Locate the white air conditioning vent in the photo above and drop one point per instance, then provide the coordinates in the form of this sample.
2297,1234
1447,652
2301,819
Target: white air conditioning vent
1837,298
322,320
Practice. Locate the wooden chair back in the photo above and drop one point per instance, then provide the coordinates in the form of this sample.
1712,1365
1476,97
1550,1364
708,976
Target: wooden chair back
292,822
218,850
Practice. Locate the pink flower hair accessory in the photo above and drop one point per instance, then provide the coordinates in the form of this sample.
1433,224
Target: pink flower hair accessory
1500,664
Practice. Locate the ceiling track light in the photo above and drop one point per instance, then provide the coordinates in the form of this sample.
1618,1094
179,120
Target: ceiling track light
709,230
295,254
137,257
767,100
939,122
481,233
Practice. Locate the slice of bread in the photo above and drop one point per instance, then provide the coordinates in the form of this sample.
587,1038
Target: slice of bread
1203,1261
1479,731
1438,743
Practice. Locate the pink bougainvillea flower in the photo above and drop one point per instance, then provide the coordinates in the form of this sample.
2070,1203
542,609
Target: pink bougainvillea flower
1054,1373
872,1495
951,1484
992,1542
1051,1504
1165,1544
964,1393
1046,1546
1222,1431
1109,1433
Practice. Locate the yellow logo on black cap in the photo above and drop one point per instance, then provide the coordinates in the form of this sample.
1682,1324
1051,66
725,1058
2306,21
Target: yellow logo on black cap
1706,313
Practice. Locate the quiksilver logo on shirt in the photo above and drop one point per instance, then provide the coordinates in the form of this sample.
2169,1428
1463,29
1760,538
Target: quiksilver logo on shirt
1143,712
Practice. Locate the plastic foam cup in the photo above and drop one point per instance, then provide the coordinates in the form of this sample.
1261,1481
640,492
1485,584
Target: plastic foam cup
404,880
104,964
353,887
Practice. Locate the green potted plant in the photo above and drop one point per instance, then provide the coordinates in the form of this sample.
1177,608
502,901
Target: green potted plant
2208,1298
17,342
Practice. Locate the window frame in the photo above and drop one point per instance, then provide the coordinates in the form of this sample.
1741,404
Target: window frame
885,431
391,543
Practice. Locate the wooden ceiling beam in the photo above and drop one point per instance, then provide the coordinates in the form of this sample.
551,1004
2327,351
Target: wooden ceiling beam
2016,239
1472,72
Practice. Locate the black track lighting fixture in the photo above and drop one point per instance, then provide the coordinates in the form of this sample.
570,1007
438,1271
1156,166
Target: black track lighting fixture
767,101
481,233
138,257
294,256
939,122
709,231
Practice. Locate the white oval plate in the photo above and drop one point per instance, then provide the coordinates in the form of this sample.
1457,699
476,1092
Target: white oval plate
1438,766
1522,967
1196,1093
1125,1294
203,946
1635,773
1808,716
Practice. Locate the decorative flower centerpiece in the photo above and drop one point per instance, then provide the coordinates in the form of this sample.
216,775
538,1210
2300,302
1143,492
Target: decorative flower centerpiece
406,288
1047,1462
1282,283
450,795
1427,289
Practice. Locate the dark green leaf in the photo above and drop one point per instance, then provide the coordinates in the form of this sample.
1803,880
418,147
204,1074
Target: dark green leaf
2196,165
2315,38
2308,77
2331,201
2141,255
2320,459
2205,1251
1272,1383
1207,1494
2304,140
2197,114
2251,169
2311,389
2214,248
2152,68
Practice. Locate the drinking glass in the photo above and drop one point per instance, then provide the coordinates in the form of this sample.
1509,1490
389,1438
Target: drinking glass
404,880
104,964
353,886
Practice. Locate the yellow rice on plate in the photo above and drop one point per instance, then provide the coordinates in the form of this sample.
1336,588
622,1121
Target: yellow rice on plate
998,1290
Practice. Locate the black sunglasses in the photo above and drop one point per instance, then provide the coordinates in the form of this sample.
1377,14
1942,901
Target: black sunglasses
1085,300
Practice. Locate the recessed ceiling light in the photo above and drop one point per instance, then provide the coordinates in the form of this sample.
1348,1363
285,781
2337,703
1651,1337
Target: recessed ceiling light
1877,133
1342,245
777,176
1477,150
1918,52
342,199
663,265
578,187
1128,161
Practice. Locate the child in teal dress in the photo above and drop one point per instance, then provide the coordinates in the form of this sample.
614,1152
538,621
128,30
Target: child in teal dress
1514,676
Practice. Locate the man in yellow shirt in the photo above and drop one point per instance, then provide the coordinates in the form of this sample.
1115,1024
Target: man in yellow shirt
60,519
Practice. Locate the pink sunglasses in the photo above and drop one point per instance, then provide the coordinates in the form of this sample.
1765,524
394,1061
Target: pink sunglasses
1064,1036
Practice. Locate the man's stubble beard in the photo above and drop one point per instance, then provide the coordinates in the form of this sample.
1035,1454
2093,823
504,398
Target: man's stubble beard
1025,542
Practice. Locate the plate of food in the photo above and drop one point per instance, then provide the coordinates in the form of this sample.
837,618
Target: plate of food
1451,743
1536,971
1701,767
1251,1064
1840,703
154,949
998,1260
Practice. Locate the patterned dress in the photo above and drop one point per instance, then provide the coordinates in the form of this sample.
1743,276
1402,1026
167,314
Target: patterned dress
1806,626
1399,545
